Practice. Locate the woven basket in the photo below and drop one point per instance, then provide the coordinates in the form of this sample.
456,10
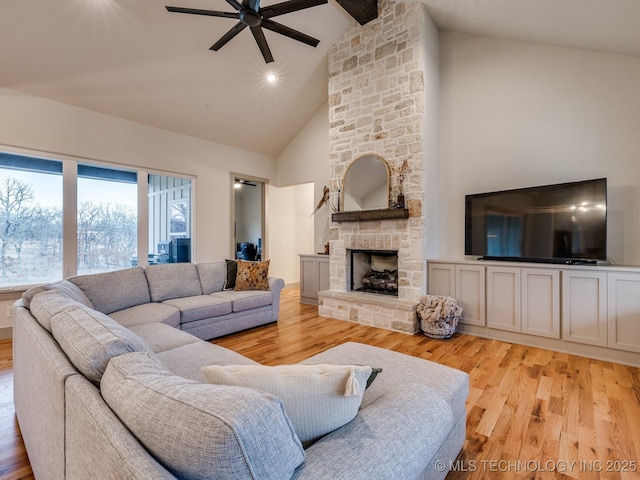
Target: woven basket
439,316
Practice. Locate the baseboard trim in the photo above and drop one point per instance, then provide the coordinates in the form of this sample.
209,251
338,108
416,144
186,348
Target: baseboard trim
6,332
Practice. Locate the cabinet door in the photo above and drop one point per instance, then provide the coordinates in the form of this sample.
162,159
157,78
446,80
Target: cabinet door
503,298
584,307
624,311
442,279
308,277
323,274
470,294
541,302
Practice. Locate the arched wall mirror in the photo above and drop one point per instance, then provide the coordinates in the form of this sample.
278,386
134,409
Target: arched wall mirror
366,184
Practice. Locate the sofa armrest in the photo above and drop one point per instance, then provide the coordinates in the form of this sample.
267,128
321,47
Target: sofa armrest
275,285
396,436
98,444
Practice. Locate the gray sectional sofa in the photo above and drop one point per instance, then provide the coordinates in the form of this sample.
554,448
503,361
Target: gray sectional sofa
108,385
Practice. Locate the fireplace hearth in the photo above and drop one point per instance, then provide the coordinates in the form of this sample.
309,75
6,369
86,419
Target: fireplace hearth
374,271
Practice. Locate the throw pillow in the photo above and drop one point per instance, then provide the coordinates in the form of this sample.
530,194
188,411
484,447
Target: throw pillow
200,431
252,275
232,272
317,398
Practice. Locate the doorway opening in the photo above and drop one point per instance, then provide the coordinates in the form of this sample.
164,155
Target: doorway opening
248,217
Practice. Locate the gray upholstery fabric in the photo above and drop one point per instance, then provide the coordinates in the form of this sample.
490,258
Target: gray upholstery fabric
187,361
63,286
212,276
40,370
47,303
113,291
148,313
199,307
161,337
231,323
395,437
90,339
245,300
173,280
400,369
114,453
200,431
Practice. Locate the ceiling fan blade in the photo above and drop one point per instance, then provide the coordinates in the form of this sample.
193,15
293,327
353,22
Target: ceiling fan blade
235,4
289,32
253,5
228,36
258,34
208,13
289,7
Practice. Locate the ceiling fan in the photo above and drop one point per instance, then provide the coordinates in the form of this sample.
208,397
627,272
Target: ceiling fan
250,14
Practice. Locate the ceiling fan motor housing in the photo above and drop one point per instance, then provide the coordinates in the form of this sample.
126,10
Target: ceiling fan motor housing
250,18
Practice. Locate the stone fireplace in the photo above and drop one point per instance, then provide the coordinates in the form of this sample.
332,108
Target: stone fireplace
377,75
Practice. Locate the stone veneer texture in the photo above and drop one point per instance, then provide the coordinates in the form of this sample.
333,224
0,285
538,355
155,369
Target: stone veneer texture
377,106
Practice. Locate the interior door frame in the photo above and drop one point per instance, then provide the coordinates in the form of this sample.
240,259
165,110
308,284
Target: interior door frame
263,213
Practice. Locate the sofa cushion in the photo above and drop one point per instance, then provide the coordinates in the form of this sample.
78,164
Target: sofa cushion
401,369
200,307
173,280
64,286
187,361
47,303
252,275
161,337
232,273
212,276
147,313
201,431
395,437
245,300
90,339
113,291
317,398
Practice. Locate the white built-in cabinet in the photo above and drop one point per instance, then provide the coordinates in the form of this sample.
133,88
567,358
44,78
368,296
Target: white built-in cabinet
465,283
524,300
568,305
314,277
623,312
584,307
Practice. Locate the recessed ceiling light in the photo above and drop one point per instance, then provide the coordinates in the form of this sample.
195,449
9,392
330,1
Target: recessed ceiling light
271,78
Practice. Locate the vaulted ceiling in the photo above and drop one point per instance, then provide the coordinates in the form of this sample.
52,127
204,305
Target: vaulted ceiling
134,60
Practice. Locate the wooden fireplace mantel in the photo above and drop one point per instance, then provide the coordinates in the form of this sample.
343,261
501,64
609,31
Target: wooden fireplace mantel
368,215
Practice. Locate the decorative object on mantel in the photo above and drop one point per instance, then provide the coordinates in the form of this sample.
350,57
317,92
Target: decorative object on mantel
439,316
402,171
250,14
369,215
324,200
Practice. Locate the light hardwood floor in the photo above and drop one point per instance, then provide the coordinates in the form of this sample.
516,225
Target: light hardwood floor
532,413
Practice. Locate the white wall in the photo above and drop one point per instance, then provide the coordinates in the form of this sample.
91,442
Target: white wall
291,229
516,114
35,123
306,159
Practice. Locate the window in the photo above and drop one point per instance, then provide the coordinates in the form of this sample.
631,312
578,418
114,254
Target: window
104,217
30,220
169,219
107,219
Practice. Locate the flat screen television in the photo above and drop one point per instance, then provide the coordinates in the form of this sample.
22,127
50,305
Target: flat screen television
562,223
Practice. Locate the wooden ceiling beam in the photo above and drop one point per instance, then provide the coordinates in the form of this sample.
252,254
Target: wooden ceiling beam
362,10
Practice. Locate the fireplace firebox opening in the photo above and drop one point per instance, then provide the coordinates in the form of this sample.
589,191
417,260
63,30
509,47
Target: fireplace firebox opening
374,271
